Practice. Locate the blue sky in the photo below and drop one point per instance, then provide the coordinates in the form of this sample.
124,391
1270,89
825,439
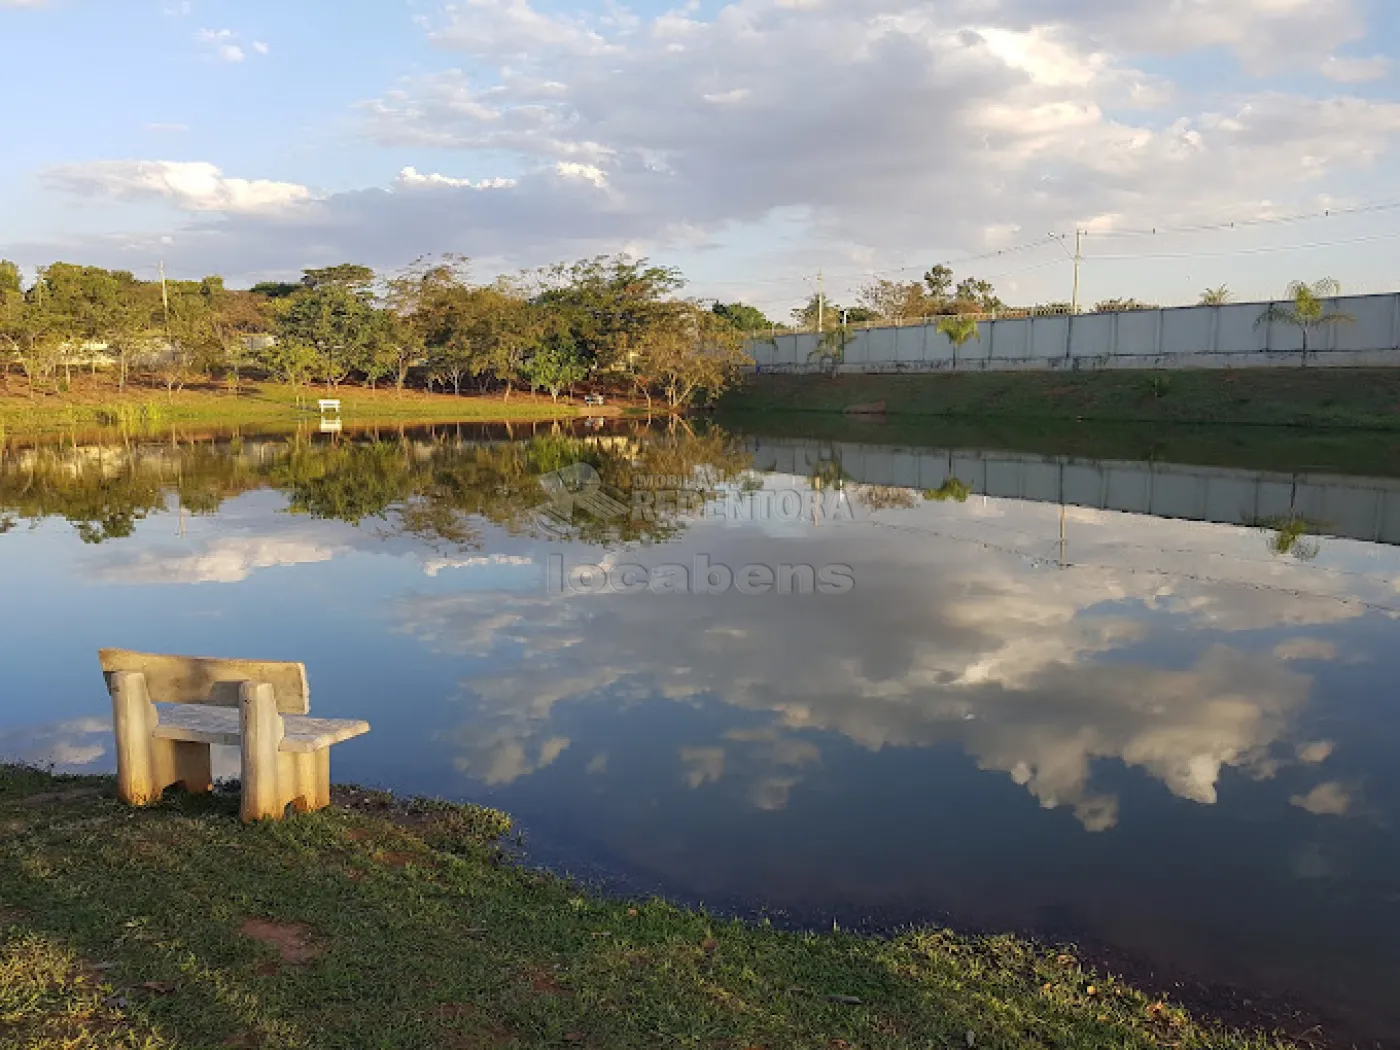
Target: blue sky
751,143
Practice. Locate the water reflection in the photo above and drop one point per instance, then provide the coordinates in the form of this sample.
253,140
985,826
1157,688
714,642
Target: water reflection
1040,706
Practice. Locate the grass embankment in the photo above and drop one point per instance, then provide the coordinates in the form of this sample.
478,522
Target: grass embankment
90,404
386,924
1312,397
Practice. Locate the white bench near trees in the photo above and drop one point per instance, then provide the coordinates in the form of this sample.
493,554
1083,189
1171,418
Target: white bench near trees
168,710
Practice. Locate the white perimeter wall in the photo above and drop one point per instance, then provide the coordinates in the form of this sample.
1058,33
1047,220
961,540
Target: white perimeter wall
1182,337
1357,508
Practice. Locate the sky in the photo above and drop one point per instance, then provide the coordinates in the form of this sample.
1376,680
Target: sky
753,144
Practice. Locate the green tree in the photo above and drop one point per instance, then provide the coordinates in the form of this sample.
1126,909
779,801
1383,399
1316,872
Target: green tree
335,314
744,317
1307,308
974,295
608,304
554,366
11,316
959,329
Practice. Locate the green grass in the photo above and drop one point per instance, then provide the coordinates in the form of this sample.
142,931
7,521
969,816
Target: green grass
405,925
143,409
1311,397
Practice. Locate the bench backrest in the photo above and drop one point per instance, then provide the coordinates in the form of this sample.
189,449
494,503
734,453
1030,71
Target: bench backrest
201,680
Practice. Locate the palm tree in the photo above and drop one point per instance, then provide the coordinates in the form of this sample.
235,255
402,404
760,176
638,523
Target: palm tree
959,328
1307,309
1217,296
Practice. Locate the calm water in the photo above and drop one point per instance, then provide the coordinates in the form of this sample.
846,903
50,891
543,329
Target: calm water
1151,706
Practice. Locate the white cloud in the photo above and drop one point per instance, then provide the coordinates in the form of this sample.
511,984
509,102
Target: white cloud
225,45
229,559
878,129
190,185
410,178
1326,800
167,129
1032,672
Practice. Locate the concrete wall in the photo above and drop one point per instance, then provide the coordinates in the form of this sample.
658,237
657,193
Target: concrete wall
1182,337
1356,508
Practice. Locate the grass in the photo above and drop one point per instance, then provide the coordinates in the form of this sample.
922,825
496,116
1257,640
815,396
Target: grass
97,403
389,924
1306,397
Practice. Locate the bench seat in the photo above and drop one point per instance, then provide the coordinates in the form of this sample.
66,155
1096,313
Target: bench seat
203,724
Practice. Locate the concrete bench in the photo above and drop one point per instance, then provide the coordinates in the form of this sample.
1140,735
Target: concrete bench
168,710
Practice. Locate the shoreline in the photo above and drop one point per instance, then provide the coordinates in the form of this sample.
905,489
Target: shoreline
411,923
265,403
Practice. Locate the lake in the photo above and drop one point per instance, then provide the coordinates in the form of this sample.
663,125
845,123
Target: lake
1148,706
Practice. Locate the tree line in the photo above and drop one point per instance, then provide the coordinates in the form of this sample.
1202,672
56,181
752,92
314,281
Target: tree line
612,322
436,487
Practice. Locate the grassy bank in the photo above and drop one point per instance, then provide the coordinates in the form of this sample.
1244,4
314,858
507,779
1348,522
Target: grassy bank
90,404
1337,397
387,924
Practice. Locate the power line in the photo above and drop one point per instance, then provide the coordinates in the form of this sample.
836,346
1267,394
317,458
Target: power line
1262,220
1265,250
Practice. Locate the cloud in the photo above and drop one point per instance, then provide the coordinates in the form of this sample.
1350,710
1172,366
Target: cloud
1306,649
224,45
1326,800
229,559
1035,674
410,178
191,185
78,744
166,129
703,765
887,129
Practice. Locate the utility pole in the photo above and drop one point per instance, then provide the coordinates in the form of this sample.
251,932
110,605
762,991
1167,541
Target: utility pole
165,300
1078,258
821,301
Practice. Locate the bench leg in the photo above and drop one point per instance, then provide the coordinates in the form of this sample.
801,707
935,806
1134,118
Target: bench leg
147,766
306,779
261,731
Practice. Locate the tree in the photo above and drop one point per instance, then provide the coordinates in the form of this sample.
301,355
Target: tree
897,300
818,311
607,303
692,352
974,295
555,365
11,315
744,317
1117,306
274,289
1307,308
292,360
959,329
1217,296
939,280
333,313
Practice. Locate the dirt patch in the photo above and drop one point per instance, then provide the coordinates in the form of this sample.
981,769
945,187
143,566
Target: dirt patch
400,859
292,940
